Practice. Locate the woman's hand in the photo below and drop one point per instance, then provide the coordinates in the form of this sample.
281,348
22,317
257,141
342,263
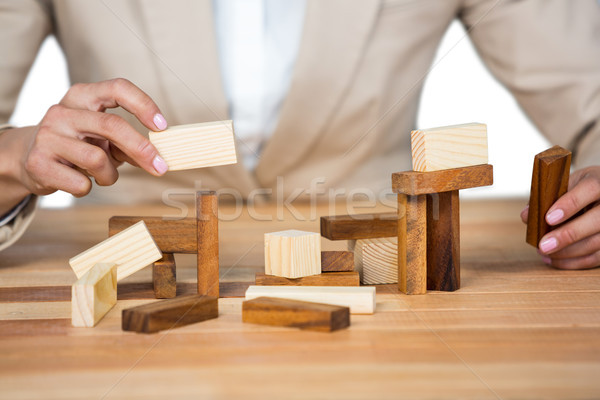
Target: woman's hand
576,243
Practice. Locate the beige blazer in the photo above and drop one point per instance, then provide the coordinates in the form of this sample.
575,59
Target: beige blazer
355,87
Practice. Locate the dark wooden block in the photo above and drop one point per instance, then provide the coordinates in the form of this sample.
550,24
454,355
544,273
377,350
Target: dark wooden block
359,226
172,313
164,277
327,279
208,243
171,236
296,314
412,244
416,183
337,261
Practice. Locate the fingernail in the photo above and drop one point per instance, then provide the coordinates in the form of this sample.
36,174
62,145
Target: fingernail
548,245
547,260
160,122
160,165
555,216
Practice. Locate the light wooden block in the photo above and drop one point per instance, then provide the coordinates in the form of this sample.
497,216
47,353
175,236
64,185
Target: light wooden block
376,260
196,146
361,300
292,253
131,249
93,295
449,147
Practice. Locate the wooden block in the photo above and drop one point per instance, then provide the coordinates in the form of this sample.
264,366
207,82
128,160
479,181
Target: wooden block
93,295
328,279
443,241
376,260
550,181
207,215
416,183
295,314
359,226
449,147
337,261
292,253
196,146
164,277
412,244
361,300
171,236
131,249
168,314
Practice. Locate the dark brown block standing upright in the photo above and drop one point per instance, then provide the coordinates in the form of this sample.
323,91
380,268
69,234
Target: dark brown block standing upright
412,244
208,243
549,181
337,261
164,277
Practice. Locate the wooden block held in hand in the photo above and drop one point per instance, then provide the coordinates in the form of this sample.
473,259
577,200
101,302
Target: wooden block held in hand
449,147
164,277
550,180
328,279
207,216
172,313
337,261
170,235
292,253
359,226
196,146
443,241
93,295
412,244
376,260
295,314
416,183
132,249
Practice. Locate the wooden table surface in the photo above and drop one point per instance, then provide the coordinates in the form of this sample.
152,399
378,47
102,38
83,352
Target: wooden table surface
517,329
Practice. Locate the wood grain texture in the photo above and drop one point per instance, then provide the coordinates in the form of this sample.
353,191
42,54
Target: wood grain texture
132,249
207,216
361,300
416,183
93,295
292,253
443,241
359,226
328,279
337,261
449,147
412,244
295,314
171,236
376,260
549,181
164,277
172,313
197,145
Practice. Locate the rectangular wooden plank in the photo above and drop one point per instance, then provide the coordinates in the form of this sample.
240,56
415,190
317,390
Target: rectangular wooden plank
292,253
376,260
361,300
296,314
207,216
164,277
131,249
171,236
171,313
191,146
337,261
415,183
93,295
359,226
549,181
412,244
328,279
443,241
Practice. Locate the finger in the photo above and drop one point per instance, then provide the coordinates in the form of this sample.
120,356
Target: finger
121,157
585,192
116,93
582,248
58,176
91,159
585,262
525,214
571,232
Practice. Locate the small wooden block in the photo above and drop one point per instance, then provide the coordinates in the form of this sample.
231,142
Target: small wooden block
449,147
171,236
328,279
416,183
292,254
168,314
295,314
443,241
132,249
359,226
337,261
376,260
93,295
550,181
207,215
412,244
361,300
164,277
196,146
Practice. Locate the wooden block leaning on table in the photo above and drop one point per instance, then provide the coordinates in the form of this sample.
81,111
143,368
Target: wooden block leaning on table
337,261
376,260
132,249
359,226
196,146
172,313
164,277
207,216
361,300
296,314
327,279
549,181
449,147
93,295
292,253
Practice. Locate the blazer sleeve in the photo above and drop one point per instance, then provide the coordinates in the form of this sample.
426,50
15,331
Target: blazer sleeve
547,53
